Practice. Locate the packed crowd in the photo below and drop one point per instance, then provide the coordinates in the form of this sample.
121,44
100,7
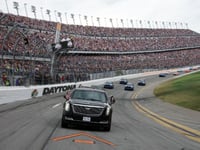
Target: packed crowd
90,38
104,63
31,38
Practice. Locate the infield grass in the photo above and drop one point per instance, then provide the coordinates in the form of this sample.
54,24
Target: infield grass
183,91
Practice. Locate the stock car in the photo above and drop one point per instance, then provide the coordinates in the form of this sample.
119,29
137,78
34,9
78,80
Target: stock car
88,106
129,87
141,82
123,81
108,85
162,75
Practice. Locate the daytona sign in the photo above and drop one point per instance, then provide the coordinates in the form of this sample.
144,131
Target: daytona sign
57,89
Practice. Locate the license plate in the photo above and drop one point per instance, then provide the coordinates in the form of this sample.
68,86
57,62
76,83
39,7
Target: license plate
87,119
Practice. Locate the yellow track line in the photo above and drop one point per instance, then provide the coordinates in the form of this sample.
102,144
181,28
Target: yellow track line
187,131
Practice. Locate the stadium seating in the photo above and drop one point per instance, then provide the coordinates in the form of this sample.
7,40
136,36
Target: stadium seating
25,48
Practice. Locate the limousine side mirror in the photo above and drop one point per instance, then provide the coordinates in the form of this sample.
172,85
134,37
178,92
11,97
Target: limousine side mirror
112,100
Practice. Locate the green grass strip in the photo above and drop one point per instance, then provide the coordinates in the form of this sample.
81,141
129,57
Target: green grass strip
183,91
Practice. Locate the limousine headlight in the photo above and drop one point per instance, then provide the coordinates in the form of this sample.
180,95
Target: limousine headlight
67,106
108,109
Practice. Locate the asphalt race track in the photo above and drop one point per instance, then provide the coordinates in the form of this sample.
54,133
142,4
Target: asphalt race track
35,125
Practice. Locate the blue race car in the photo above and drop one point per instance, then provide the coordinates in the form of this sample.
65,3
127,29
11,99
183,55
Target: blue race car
129,87
142,82
123,81
108,85
162,75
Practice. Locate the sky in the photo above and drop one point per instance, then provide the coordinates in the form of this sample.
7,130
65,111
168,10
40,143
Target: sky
113,13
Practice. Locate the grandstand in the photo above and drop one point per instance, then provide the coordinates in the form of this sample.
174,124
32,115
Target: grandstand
25,51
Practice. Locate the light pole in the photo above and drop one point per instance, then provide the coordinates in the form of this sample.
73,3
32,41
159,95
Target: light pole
186,25
170,25
117,22
131,23
149,23
55,15
85,17
7,6
156,24
111,22
16,6
42,13
92,20
140,23
72,15
105,22
122,21
127,23
33,8
66,18
48,13
163,24
25,4
98,20
59,15
80,19
176,25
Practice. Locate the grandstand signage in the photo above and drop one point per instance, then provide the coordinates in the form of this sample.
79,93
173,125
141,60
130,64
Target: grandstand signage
57,89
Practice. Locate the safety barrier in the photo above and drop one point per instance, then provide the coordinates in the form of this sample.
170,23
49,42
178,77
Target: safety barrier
16,93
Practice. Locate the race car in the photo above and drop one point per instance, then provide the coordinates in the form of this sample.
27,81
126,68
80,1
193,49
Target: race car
129,87
141,82
162,75
108,85
123,81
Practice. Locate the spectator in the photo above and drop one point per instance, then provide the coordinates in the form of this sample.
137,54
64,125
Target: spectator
147,48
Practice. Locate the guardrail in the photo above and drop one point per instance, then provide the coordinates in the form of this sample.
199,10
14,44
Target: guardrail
15,93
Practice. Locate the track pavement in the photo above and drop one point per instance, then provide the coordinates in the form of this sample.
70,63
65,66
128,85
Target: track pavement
35,125
182,120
